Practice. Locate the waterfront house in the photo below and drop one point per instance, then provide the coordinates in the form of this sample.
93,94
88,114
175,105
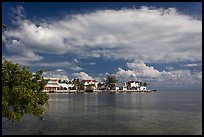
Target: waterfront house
63,86
70,86
143,88
92,83
101,86
52,85
117,88
124,88
136,85
133,84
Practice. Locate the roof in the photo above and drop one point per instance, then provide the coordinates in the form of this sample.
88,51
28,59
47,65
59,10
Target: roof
52,78
51,85
131,81
89,80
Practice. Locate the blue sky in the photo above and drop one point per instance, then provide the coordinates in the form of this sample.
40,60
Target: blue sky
154,42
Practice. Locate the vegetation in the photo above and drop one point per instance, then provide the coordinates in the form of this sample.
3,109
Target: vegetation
4,26
128,86
77,84
22,92
143,84
89,88
101,86
110,81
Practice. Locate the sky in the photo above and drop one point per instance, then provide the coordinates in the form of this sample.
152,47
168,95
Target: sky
155,42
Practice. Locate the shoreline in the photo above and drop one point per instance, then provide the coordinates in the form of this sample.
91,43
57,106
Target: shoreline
101,91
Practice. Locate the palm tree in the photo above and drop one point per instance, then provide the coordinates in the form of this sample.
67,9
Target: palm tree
128,85
145,84
76,83
110,81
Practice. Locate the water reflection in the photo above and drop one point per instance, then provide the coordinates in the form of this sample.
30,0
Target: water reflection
120,113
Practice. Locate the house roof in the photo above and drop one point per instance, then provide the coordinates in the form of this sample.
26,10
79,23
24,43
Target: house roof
89,80
51,85
51,78
131,81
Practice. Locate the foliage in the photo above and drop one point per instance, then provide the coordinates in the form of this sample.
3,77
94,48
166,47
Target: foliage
128,86
143,84
77,84
101,85
22,92
110,81
81,86
4,26
89,87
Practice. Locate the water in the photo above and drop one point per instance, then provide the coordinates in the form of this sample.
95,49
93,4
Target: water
120,113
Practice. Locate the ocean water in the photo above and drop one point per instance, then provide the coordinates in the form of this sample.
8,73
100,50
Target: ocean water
159,113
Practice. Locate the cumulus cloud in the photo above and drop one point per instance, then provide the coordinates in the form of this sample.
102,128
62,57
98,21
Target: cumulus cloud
192,65
138,70
27,61
148,34
92,63
75,68
82,76
59,73
35,61
18,13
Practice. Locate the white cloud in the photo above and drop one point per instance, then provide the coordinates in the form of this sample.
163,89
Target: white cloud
138,70
82,76
59,73
92,63
192,65
53,64
18,13
16,47
34,61
148,34
76,68
75,61
24,60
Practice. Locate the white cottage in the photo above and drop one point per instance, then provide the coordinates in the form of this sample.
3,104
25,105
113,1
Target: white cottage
93,83
133,84
143,88
52,85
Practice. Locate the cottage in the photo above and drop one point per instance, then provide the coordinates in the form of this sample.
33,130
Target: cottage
52,85
92,83
143,88
133,84
63,86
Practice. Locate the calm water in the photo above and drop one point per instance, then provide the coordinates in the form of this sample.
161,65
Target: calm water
119,113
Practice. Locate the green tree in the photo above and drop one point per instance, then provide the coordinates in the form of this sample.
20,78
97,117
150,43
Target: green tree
110,81
128,86
144,84
77,84
4,26
101,85
22,92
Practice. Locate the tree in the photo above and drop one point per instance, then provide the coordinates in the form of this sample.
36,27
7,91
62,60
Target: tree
101,85
4,26
77,84
128,86
110,81
22,92
145,84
